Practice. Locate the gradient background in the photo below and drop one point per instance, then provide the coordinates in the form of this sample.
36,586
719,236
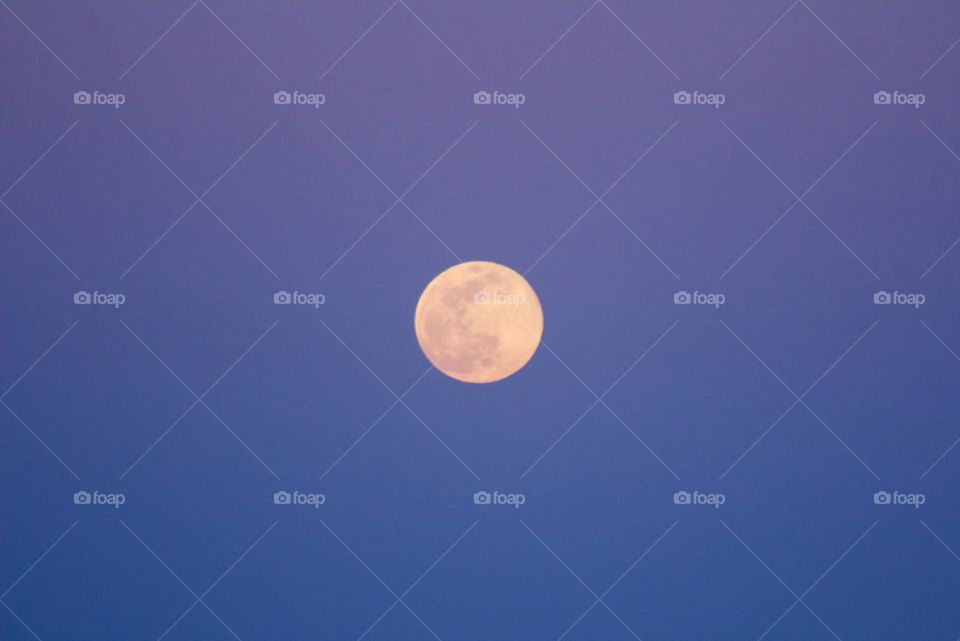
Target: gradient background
294,411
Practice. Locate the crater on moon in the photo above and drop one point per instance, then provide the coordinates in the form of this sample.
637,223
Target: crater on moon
479,322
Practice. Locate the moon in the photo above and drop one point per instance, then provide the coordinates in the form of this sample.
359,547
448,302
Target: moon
478,322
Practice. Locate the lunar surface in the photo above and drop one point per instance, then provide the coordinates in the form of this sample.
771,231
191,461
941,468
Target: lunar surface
479,322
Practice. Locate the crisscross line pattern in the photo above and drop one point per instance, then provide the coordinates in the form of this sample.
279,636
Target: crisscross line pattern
818,19
399,598
599,598
218,19
17,182
599,400
619,20
28,571
198,598
799,400
398,401
599,198
957,441
398,199
17,416
799,599
799,200
199,400
199,200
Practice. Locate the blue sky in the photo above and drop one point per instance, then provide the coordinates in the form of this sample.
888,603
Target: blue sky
824,186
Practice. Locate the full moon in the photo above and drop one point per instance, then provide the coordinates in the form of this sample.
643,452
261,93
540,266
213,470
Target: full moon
478,322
